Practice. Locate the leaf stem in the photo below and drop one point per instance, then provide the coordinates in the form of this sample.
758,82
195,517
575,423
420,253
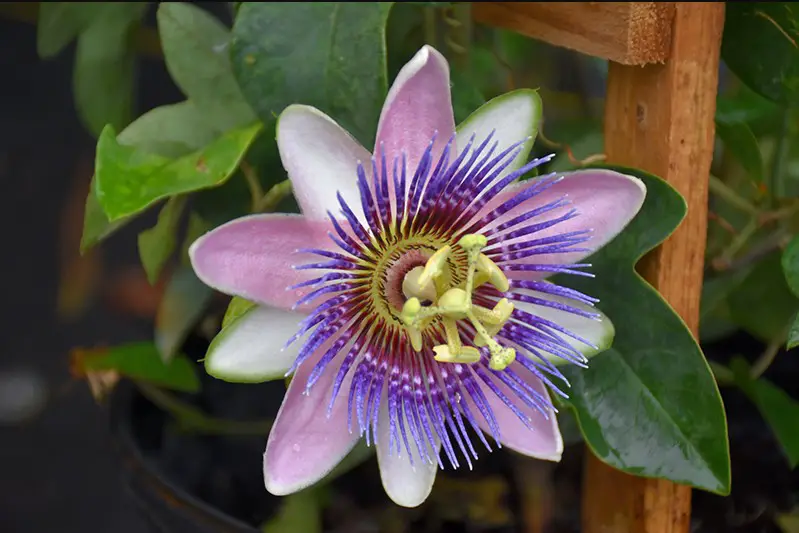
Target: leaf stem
768,356
723,375
256,191
723,261
726,193
775,184
275,195
192,419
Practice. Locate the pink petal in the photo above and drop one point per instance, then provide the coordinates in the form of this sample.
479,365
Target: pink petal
543,441
406,484
417,105
606,201
252,257
305,444
321,159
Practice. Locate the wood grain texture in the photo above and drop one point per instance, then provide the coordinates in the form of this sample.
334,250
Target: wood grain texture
630,33
660,118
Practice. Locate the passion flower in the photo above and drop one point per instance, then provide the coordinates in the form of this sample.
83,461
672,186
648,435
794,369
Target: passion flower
409,301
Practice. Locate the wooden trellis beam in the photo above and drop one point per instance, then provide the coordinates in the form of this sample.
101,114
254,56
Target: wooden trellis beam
658,117
630,33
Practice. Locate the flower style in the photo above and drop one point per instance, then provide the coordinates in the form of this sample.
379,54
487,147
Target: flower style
409,299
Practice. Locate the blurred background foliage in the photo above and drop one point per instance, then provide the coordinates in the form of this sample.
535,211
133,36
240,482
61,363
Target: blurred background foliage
752,256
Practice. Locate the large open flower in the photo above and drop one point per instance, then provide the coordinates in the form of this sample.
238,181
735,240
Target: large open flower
409,299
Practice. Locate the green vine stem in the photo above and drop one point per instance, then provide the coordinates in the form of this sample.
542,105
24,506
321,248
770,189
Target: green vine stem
775,185
192,419
275,195
769,355
726,193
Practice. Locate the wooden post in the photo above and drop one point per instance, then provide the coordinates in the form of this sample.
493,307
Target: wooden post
660,118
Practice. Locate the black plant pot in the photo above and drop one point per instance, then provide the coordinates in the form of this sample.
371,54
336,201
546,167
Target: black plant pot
168,507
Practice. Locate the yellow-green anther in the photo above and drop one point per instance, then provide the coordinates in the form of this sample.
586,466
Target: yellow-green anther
467,354
473,241
501,358
434,267
412,288
493,274
454,303
493,320
410,310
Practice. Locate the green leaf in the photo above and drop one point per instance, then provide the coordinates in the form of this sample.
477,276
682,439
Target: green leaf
61,22
777,407
763,305
649,406
742,144
715,319
157,243
171,130
103,72
790,264
793,334
96,225
197,54
143,361
466,96
182,305
760,47
237,307
590,144
330,55
745,105
196,228
128,180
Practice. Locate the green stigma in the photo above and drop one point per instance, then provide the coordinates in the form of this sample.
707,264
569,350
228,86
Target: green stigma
453,303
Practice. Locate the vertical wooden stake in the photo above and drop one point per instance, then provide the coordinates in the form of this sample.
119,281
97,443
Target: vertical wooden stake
660,118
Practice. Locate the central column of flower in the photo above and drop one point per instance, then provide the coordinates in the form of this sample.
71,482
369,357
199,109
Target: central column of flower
454,303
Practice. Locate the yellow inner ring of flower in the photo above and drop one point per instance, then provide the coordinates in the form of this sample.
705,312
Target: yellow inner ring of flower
455,272
452,281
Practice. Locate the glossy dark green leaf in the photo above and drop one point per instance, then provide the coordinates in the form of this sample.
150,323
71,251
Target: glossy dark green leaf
743,146
182,305
760,47
143,361
156,244
790,264
744,105
649,405
777,407
197,54
331,55
104,62
128,180
763,304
